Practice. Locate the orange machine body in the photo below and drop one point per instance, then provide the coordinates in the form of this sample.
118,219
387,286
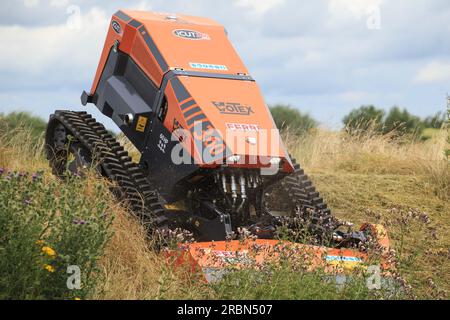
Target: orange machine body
178,90
213,259
175,51
203,84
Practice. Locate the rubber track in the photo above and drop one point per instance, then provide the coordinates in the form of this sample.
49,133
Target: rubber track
302,194
116,164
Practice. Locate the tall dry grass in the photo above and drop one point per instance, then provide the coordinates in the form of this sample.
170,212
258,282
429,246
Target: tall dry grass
371,153
132,270
19,148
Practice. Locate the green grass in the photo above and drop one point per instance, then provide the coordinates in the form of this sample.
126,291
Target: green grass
430,133
381,199
46,229
282,283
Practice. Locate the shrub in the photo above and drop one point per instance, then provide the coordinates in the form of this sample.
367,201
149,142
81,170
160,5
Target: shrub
24,121
398,122
363,119
402,122
47,227
287,117
436,121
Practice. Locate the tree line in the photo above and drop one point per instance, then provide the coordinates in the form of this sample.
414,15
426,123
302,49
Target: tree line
367,117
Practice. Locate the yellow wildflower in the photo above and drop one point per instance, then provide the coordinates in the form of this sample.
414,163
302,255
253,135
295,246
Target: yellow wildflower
40,242
76,298
49,251
49,268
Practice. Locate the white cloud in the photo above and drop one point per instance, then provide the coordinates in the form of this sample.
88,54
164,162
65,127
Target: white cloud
433,72
143,5
59,3
318,55
355,96
259,7
30,3
36,50
355,8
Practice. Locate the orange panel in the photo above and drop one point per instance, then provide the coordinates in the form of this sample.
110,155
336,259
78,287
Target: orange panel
201,44
237,110
256,253
223,255
146,61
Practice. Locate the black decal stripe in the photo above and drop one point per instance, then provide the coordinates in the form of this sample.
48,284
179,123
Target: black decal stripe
122,16
205,125
188,104
135,23
180,91
192,120
192,111
153,49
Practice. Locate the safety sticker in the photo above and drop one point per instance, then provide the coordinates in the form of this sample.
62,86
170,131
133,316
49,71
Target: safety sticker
207,66
141,124
343,258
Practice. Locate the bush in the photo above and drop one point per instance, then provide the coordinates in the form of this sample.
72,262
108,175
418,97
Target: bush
23,121
398,122
364,118
47,227
435,122
402,122
289,118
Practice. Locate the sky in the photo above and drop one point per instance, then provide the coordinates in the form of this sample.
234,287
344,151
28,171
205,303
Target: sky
324,57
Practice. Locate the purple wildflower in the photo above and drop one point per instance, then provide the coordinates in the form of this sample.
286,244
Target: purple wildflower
1,171
27,202
37,175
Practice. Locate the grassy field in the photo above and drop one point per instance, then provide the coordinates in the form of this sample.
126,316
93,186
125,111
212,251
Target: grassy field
401,184
373,179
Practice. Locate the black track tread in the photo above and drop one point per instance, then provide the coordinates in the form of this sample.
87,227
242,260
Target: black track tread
301,193
130,183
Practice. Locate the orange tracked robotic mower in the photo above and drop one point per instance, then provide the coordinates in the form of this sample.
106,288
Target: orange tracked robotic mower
211,160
